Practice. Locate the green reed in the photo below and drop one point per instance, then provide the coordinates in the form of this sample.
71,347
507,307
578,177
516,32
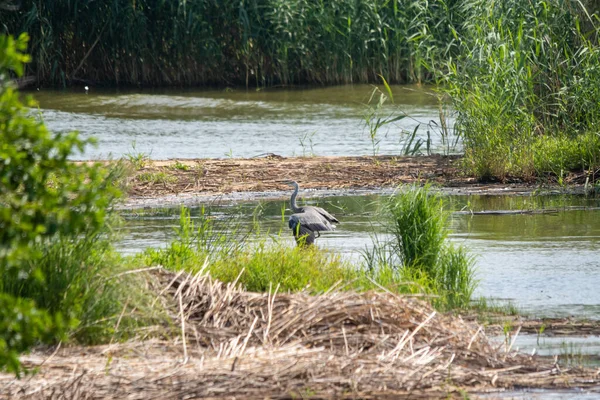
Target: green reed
419,256
526,84
253,42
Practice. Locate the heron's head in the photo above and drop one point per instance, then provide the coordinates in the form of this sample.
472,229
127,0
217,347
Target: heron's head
288,182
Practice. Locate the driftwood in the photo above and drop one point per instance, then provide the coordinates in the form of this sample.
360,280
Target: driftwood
507,212
340,344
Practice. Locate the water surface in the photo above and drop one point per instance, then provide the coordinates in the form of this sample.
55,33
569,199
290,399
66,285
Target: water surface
236,123
546,264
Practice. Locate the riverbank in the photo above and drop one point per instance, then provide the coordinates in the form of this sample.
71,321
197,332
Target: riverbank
159,183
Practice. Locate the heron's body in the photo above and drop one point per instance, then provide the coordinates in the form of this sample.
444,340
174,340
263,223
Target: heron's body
308,221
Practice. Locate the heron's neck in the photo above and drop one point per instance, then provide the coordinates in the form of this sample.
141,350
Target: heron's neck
293,204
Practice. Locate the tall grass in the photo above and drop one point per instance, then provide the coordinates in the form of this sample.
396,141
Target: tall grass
526,84
419,253
253,42
219,246
83,280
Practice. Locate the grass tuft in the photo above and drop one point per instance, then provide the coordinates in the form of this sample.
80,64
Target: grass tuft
419,252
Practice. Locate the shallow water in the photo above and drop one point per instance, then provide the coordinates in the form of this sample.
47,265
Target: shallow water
235,123
545,264
572,350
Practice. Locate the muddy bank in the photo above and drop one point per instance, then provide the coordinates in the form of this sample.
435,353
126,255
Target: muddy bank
155,183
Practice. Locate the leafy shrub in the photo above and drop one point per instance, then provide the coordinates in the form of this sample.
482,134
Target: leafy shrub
54,243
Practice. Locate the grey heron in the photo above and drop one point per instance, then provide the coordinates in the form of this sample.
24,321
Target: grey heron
308,220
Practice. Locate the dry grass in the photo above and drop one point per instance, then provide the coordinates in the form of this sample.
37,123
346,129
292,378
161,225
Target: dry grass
260,174
340,344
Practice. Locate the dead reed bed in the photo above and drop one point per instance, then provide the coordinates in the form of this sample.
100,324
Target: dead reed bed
340,344
260,174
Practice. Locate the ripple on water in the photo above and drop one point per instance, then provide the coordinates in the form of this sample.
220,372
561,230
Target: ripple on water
214,124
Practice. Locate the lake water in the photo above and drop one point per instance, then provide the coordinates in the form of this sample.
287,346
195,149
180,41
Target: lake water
238,123
546,264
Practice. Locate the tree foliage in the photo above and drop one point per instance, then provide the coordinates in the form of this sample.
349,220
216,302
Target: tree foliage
43,197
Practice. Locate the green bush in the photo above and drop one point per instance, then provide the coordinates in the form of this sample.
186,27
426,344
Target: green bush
22,325
55,254
16,334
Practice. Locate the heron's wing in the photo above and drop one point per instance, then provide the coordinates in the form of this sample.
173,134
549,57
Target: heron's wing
324,213
310,219
304,236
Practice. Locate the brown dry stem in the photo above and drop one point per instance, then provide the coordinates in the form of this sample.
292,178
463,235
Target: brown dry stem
340,344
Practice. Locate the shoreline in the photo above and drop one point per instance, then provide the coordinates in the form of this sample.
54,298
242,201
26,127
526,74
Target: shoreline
189,182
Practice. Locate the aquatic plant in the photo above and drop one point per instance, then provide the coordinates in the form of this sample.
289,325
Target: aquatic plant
418,251
375,118
525,83
253,43
138,160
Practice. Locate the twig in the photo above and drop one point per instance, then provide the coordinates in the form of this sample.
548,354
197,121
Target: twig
185,355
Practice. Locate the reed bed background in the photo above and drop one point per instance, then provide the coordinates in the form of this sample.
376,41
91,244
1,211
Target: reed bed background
255,43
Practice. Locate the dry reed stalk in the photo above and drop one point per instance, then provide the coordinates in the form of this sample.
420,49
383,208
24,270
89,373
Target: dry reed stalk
241,175
251,345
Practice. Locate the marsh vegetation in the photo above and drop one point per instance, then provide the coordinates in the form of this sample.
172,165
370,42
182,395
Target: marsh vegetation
522,78
58,266
524,83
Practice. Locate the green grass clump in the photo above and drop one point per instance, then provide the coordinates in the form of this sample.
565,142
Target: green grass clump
80,281
159,177
485,306
560,154
180,166
419,253
220,247
292,268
